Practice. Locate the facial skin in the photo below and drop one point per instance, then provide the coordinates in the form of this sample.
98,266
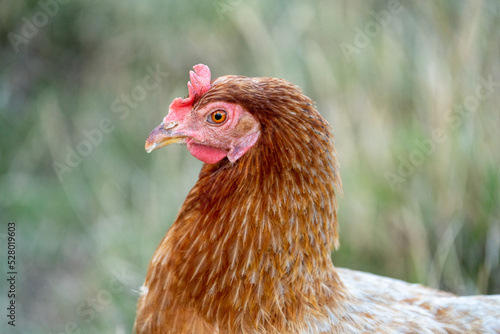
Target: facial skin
211,133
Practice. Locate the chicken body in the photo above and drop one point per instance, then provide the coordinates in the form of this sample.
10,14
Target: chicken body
250,249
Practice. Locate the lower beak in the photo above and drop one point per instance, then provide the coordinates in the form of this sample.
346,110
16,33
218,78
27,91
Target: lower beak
163,135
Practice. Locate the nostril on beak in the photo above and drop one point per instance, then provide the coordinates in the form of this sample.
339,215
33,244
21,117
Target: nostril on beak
163,135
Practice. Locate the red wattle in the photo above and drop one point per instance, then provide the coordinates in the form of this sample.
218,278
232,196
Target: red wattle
205,153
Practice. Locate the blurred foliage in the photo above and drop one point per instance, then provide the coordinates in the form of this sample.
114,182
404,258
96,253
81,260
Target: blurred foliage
84,243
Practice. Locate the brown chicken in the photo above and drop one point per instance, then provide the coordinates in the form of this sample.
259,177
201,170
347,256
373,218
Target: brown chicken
250,249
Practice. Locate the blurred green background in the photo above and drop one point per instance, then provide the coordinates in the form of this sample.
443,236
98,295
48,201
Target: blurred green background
411,90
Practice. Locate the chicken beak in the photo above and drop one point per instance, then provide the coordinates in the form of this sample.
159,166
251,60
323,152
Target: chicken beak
163,135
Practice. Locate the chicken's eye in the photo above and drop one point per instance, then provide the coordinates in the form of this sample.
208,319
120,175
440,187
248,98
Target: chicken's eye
217,117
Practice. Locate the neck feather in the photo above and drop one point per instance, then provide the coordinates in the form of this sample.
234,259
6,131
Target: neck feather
251,245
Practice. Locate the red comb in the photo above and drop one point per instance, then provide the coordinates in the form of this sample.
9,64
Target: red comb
198,85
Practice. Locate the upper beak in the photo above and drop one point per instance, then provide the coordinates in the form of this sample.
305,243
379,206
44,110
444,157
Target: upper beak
163,135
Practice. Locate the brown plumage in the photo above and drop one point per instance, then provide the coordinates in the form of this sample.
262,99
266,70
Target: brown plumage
250,249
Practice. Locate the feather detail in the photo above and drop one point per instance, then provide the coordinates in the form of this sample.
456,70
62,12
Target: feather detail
249,251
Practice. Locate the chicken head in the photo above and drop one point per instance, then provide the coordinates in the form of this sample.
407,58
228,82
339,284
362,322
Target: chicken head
212,131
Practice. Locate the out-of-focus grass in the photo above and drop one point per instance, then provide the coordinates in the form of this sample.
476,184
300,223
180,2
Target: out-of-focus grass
84,243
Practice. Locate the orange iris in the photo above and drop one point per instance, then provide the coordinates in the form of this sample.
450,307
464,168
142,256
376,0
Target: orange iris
218,116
